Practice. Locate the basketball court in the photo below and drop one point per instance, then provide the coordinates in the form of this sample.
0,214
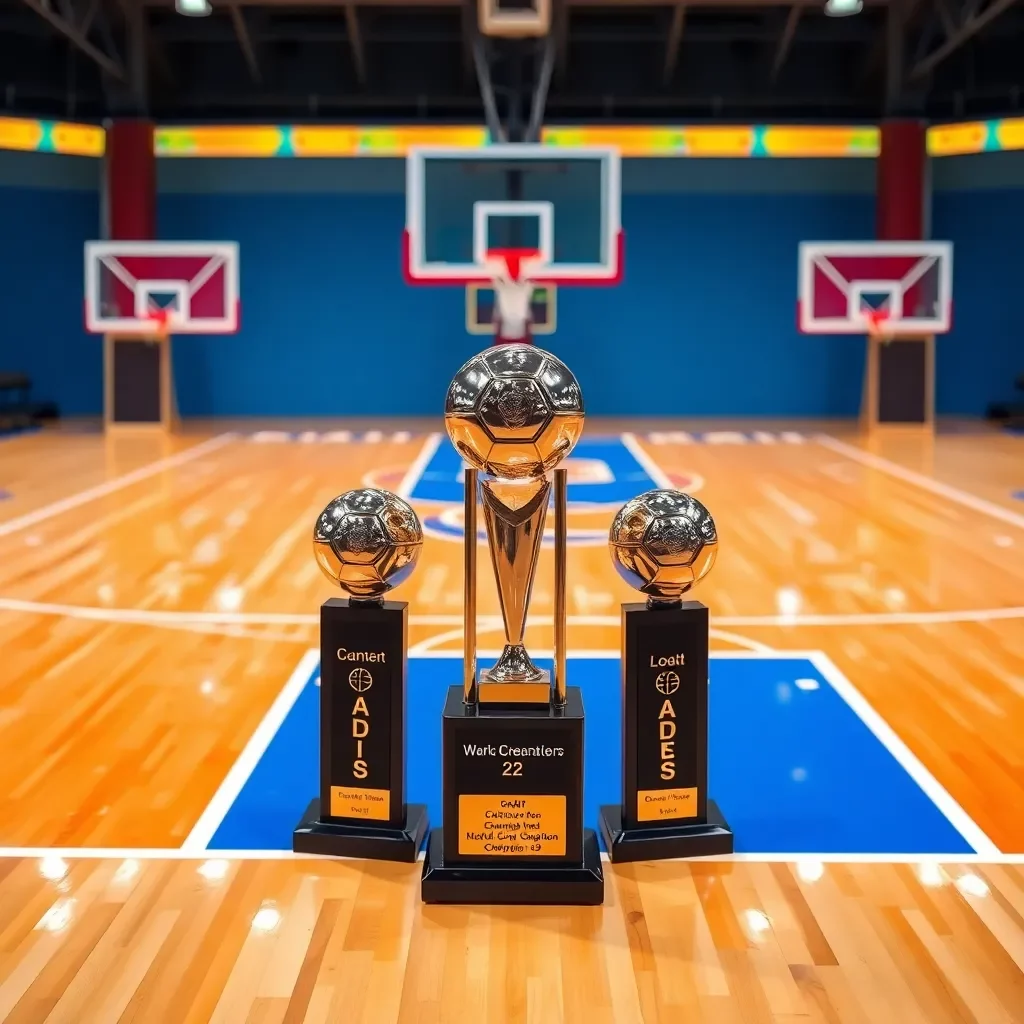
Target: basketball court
160,696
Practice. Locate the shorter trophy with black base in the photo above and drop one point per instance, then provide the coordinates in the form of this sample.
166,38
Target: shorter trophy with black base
513,735
662,543
367,541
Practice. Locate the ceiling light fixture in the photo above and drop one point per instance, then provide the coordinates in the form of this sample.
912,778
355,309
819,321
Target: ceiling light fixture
193,8
843,8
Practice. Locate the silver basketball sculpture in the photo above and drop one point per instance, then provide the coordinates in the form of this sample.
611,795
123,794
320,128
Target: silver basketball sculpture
514,411
662,543
367,541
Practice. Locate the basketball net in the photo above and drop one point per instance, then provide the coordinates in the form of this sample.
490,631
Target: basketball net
512,279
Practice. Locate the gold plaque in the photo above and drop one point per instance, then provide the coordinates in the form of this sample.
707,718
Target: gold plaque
360,803
511,826
659,804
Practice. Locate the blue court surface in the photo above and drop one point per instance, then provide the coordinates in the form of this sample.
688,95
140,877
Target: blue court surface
798,764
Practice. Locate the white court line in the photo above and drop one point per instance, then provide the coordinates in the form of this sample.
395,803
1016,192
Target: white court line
177,853
117,484
418,465
885,735
927,483
160,617
205,828
647,464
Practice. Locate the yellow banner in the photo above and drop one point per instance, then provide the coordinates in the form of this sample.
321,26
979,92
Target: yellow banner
219,140
20,133
953,139
800,141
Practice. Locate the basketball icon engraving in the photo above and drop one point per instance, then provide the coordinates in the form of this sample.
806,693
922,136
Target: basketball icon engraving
367,541
662,543
667,682
360,680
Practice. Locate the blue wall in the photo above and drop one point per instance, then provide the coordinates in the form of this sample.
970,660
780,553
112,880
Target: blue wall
704,323
49,206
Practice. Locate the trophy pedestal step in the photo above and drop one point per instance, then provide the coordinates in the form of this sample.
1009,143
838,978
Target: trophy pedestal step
372,842
713,838
537,884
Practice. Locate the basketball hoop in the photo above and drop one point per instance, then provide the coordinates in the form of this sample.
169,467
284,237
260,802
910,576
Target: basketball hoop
519,264
877,321
160,320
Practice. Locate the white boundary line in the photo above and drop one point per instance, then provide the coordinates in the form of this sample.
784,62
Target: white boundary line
927,483
883,732
632,444
418,465
180,854
211,818
159,617
205,828
117,484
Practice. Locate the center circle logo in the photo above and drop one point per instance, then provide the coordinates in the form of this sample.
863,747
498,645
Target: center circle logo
360,680
666,683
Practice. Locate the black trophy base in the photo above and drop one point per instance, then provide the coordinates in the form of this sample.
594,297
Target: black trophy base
367,842
560,885
711,839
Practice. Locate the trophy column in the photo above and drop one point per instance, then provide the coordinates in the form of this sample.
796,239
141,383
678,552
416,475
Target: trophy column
662,543
513,735
366,541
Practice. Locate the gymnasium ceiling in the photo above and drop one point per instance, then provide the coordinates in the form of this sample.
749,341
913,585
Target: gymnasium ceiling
612,60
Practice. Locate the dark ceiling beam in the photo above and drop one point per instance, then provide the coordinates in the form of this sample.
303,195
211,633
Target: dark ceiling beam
156,53
675,38
970,28
705,5
560,28
894,63
355,41
78,39
785,41
245,42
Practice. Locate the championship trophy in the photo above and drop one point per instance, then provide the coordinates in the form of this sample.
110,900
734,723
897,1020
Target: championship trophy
513,733
367,541
663,543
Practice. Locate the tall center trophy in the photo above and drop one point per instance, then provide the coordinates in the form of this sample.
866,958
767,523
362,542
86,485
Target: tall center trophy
513,733
662,543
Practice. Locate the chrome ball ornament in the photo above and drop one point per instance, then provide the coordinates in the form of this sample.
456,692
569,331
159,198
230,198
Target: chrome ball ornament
662,543
367,541
514,411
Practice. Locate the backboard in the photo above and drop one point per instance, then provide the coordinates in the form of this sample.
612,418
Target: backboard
480,308
129,286
563,204
844,285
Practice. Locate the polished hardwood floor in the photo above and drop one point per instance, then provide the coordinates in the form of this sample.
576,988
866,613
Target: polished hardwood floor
155,593
104,941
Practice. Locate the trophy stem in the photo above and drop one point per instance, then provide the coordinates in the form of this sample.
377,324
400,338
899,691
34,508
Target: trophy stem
469,694
561,561
514,513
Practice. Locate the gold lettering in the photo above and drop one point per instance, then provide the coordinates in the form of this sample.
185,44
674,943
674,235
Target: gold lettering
359,770
360,727
666,730
360,707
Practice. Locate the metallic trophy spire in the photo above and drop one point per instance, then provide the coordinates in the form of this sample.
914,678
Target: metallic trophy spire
513,413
